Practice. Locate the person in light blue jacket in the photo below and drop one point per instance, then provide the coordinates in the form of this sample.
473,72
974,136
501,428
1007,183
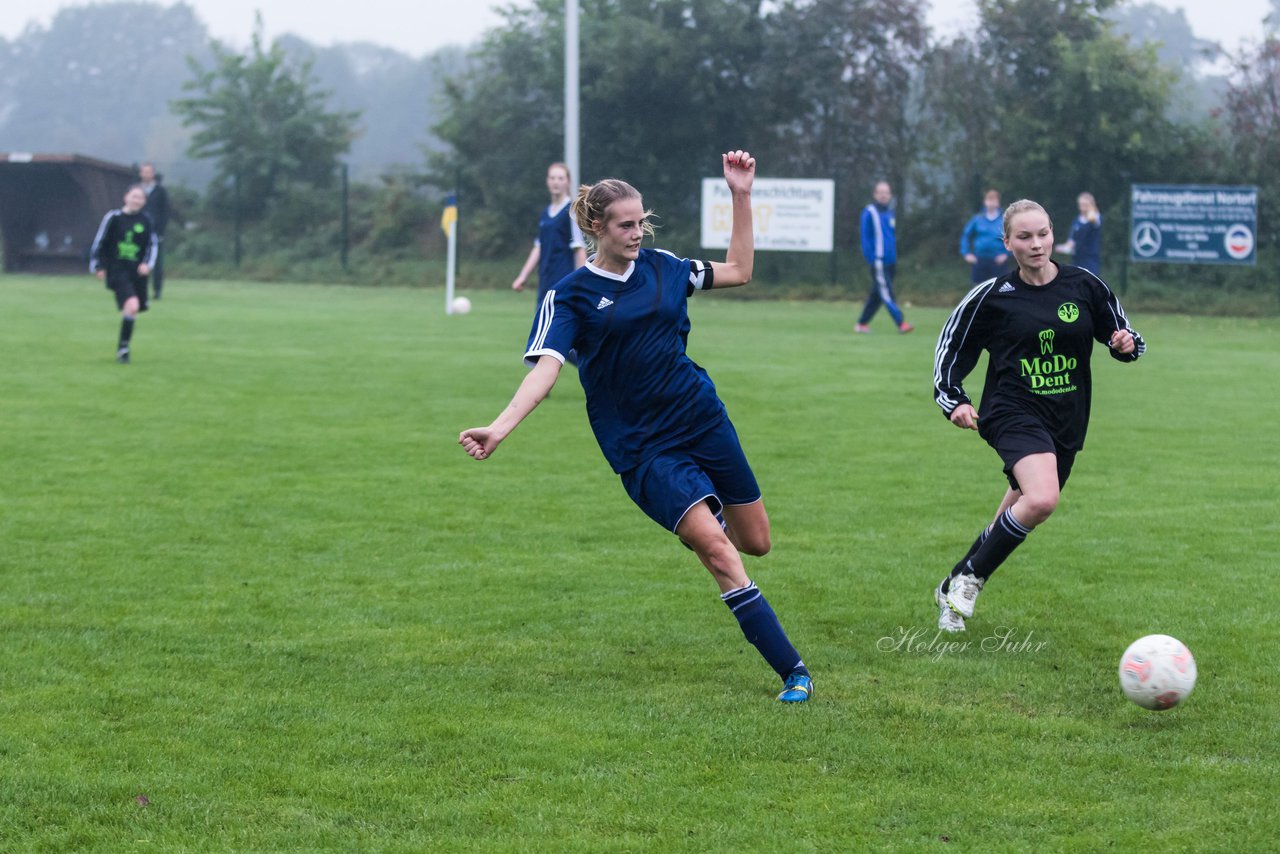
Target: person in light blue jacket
880,249
982,241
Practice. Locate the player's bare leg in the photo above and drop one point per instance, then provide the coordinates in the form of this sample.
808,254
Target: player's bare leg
702,532
748,527
1037,477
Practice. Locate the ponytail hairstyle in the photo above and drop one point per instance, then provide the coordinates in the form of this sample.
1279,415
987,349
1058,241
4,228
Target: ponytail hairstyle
592,203
1022,206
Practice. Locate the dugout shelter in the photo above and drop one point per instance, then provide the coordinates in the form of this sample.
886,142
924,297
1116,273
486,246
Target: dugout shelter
50,207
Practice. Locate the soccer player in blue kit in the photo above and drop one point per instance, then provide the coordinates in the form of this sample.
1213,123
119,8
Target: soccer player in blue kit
1038,325
653,410
560,248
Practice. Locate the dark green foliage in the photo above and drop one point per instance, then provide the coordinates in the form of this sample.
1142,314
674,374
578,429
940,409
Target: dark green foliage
1045,102
1252,118
835,82
265,123
667,85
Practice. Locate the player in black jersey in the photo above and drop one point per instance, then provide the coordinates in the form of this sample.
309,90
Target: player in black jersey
124,251
1038,325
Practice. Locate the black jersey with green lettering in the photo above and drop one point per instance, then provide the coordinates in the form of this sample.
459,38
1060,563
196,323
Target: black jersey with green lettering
124,240
1039,339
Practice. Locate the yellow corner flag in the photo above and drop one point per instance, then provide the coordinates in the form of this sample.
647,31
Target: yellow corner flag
450,216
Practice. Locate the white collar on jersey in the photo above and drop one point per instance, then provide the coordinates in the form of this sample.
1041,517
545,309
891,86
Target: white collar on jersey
617,277
552,210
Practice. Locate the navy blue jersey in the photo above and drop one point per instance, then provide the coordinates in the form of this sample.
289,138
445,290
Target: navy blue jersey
1040,339
1087,237
558,237
644,394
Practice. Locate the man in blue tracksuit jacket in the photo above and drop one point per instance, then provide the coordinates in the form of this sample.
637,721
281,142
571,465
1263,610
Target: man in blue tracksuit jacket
880,248
982,241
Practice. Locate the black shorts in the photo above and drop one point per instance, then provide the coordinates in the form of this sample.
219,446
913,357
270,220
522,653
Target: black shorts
125,284
1016,436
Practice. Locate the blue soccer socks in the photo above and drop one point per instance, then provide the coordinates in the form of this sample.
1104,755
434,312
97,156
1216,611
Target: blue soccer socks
761,628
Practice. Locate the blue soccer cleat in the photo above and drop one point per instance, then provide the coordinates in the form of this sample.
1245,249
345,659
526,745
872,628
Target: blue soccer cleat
798,689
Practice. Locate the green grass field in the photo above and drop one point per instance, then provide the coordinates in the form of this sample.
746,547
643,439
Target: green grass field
256,598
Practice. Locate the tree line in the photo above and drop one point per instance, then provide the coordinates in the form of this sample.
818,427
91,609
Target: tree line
1043,98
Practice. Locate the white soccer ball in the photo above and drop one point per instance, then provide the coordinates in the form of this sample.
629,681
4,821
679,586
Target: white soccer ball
1157,672
460,305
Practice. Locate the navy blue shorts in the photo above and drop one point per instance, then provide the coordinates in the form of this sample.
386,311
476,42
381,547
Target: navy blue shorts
1018,436
711,467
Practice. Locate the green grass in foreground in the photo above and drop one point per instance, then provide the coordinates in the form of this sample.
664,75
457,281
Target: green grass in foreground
252,578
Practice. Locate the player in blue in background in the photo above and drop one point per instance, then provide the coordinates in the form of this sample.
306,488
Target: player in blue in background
982,241
560,248
1085,244
654,411
880,249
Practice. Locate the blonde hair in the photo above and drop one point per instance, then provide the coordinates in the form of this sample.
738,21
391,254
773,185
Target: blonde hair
558,165
592,203
1022,206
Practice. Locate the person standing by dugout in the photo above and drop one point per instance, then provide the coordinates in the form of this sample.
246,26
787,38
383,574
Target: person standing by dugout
880,249
982,241
123,251
157,207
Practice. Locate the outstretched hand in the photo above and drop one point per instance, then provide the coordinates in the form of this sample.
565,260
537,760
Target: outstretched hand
479,442
739,170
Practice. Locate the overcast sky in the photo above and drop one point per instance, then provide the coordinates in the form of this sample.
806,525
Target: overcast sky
420,26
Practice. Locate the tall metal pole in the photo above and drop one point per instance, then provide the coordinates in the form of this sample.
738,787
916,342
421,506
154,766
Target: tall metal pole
346,218
238,248
571,149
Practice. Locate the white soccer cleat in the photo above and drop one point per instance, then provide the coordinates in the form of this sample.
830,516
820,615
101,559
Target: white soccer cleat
948,620
964,591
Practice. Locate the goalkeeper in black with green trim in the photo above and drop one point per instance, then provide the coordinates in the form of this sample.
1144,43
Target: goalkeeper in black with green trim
1038,324
124,251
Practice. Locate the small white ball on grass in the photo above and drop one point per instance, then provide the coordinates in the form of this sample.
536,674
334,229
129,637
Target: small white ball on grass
461,305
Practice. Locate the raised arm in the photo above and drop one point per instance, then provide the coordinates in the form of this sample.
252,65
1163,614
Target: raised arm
739,173
481,442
